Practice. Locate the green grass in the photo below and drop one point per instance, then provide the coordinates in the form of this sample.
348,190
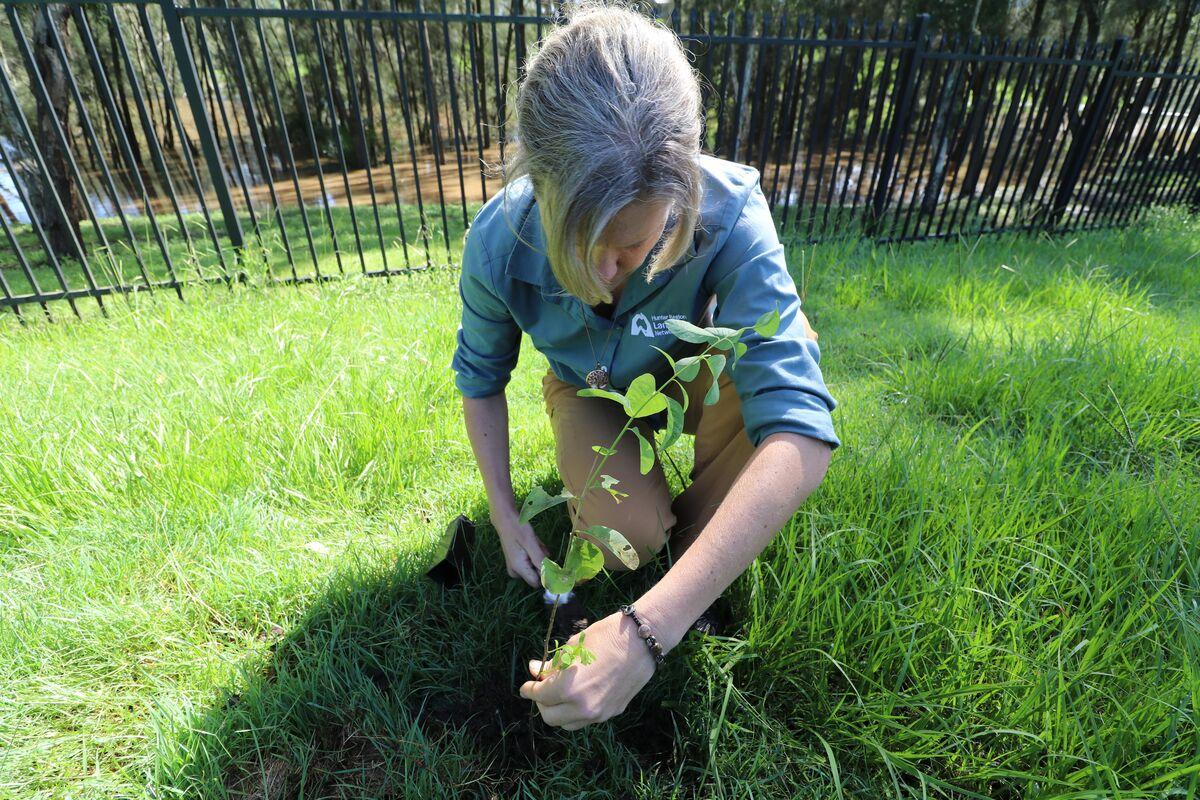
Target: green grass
116,259
993,593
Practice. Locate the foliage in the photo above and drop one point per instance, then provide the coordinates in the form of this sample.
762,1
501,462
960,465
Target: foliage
643,398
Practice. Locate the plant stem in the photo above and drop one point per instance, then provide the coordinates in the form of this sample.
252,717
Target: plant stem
546,641
587,486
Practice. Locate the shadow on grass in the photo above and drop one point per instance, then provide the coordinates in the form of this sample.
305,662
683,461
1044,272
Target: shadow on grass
393,685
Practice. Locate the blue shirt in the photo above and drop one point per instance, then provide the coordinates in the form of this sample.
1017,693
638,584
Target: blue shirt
507,287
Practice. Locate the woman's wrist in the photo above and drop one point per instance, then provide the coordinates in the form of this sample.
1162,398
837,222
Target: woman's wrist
644,633
504,516
668,625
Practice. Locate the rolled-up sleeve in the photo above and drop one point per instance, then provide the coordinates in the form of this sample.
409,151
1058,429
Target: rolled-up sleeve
489,340
778,379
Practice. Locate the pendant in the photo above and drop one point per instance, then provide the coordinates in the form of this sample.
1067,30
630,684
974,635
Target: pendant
598,378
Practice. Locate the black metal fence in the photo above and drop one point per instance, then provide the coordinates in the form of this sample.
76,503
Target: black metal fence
150,144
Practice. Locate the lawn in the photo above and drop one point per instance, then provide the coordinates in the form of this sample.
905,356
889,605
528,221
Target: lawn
215,515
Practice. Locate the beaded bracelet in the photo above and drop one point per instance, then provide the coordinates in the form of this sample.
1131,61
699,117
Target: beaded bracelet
643,631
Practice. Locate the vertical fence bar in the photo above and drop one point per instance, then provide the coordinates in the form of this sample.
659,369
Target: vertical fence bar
124,139
156,154
306,112
457,126
327,82
52,191
43,99
1079,148
356,110
287,144
1025,144
875,134
256,139
907,81
387,140
431,105
1186,126
204,130
181,132
403,91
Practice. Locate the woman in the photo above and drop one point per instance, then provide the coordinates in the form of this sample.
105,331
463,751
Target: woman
611,222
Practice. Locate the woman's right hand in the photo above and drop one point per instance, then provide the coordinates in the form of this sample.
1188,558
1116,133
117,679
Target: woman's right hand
523,550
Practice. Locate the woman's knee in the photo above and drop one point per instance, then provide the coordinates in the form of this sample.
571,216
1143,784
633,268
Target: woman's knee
645,524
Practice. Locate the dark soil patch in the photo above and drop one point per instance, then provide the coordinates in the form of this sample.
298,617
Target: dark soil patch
341,751
346,760
512,737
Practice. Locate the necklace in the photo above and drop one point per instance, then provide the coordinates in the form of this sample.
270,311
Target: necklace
598,377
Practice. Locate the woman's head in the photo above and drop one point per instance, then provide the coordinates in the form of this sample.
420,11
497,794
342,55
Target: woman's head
609,120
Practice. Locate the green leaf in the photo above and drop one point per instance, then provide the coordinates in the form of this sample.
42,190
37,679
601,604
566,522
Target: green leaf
688,332
674,423
616,397
667,356
585,656
604,451
538,501
642,398
768,323
617,544
645,452
584,559
555,578
564,656
716,363
567,654
739,350
689,368
728,340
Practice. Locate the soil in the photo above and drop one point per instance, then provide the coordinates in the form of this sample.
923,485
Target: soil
514,739
510,740
346,757
503,728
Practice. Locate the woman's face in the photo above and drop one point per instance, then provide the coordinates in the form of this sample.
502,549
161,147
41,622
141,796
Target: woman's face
628,238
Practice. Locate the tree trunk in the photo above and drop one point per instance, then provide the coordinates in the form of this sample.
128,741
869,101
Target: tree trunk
1092,10
1039,12
941,140
62,233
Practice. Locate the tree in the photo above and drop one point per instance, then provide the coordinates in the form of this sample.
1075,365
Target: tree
62,232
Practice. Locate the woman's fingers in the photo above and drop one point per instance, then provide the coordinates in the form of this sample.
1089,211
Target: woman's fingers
564,715
808,329
529,573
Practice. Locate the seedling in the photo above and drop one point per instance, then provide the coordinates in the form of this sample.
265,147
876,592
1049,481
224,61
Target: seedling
643,398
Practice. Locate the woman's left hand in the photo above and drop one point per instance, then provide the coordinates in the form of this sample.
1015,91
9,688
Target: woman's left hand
583,694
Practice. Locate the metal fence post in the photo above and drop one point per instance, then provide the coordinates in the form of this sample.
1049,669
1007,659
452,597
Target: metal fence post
899,127
1077,155
204,130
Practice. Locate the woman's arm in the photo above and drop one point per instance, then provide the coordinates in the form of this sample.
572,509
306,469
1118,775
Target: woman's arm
487,428
785,468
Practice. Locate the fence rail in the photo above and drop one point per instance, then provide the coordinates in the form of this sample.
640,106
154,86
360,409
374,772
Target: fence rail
154,144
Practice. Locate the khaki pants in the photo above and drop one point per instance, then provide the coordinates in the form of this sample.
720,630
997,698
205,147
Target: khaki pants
648,516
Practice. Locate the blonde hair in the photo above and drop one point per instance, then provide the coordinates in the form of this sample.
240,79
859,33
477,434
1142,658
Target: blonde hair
609,112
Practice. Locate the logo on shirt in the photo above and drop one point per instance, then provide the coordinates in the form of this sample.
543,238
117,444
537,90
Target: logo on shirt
640,326
652,326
